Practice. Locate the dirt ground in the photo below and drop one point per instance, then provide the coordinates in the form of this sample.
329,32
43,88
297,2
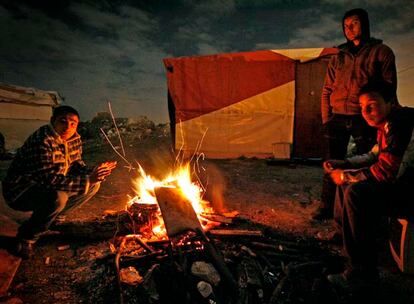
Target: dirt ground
279,196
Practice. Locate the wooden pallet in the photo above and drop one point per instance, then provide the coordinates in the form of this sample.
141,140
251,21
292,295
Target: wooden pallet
8,268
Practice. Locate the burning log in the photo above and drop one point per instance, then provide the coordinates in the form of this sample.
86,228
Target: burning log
177,211
217,218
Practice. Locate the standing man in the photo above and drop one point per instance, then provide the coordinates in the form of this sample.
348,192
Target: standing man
47,176
379,183
360,60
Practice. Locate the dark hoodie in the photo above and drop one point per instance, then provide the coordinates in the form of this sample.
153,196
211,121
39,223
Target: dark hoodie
352,68
363,18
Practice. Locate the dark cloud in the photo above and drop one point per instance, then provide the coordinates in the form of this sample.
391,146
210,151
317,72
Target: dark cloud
91,51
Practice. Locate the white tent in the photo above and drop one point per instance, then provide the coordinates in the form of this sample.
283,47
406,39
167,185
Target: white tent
22,111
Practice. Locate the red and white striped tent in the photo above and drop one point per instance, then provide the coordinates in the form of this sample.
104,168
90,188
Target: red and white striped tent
246,104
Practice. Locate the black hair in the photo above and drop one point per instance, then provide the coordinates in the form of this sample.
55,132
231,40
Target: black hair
62,110
363,18
385,89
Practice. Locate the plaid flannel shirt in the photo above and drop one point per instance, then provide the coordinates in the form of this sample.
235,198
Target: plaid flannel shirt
45,159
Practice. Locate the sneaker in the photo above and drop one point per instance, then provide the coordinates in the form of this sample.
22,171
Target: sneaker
25,248
322,214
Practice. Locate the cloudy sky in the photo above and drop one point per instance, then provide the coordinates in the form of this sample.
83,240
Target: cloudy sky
94,51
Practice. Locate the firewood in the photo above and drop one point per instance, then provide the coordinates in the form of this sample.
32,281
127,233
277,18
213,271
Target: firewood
96,229
235,232
217,218
126,261
177,211
218,262
277,248
282,256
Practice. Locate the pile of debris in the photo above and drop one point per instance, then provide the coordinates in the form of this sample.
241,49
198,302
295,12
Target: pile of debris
223,266
165,252
135,128
235,262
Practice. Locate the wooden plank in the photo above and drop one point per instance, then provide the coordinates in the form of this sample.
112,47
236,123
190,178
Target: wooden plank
177,211
8,268
235,232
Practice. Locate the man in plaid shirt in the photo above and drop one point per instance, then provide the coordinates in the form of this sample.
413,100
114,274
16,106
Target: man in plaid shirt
47,176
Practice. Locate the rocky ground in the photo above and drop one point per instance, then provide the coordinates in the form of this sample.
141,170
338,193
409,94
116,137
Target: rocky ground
281,197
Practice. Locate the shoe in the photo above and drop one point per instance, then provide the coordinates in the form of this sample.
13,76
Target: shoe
25,248
322,214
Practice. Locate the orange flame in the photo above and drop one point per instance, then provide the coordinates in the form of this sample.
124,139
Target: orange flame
144,186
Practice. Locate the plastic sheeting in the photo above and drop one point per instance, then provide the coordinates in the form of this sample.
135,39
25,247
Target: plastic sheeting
22,111
229,105
252,127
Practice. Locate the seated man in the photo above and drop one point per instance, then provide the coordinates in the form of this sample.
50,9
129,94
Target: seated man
47,176
375,184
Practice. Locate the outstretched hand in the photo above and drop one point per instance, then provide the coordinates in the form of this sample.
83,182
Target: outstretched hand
332,164
102,171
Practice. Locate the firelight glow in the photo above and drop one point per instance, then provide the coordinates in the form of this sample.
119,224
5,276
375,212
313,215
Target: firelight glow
144,187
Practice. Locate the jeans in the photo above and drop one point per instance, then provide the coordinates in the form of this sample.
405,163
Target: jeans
46,205
358,209
337,133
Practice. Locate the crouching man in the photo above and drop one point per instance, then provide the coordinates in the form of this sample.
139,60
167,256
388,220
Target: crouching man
374,184
47,176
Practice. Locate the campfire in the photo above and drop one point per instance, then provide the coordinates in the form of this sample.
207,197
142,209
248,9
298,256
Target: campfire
176,253
169,248
176,199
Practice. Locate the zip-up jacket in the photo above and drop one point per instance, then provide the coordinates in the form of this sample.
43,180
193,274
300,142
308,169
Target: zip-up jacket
45,159
393,155
347,73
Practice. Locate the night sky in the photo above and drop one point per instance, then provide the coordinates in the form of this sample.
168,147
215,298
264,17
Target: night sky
94,51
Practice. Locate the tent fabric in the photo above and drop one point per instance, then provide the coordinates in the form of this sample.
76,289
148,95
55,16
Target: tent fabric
244,128
23,110
199,85
304,55
229,105
21,95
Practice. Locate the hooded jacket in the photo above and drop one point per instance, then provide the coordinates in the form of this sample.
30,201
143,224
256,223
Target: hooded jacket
352,68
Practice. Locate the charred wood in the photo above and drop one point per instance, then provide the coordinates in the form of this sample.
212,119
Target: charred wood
235,232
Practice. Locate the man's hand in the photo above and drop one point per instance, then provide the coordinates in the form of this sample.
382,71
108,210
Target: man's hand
332,164
102,171
338,176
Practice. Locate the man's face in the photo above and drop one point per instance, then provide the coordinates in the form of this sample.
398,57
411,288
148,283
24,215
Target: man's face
352,28
65,125
374,108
